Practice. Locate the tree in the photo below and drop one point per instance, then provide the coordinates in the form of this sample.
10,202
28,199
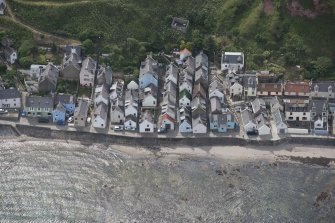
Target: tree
88,46
197,38
25,61
3,68
322,67
27,48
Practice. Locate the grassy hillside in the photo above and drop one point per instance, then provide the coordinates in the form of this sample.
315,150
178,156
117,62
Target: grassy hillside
274,37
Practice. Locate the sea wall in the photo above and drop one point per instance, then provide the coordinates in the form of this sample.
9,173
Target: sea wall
145,141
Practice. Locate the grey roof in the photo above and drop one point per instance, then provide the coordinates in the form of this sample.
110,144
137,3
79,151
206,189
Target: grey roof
198,90
151,89
9,94
216,83
261,120
60,107
130,117
199,119
170,88
131,95
101,90
317,105
189,64
246,116
68,49
116,90
323,86
64,99
88,67
105,75
296,107
215,105
101,110
147,115
72,59
171,70
201,73
82,108
232,58
50,74
148,66
258,105
249,80
201,60
278,117
39,102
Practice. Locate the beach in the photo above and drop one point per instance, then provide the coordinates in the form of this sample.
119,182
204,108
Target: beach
68,181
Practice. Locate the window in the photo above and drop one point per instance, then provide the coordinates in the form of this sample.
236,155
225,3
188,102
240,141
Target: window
102,125
14,99
323,113
147,129
147,125
304,118
291,113
290,118
304,113
82,119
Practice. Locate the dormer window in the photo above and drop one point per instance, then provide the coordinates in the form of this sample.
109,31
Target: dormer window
250,81
330,89
316,88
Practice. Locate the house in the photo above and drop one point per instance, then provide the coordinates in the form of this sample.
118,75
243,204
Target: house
71,66
201,61
248,121
262,125
198,91
171,73
297,89
249,85
297,110
269,89
2,7
165,121
148,73
10,99
36,70
101,94
258,106
233,61
185,122
279,119
130,123
231,122
116,90
199,124
117,111
37,106
201,76
105,76
198,105
319,116
146,123
234,85
48,79
132,85
185,81
10,55
180,24
100,116
80,113
323,90
216,94
216,84
58,114
68,49
149,96
67,101
87,72
131,103
276,104
189,65
185,98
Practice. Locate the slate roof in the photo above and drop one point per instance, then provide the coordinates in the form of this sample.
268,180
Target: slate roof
10,94
199,119
88,67
105,75
171,70
64,99
60,107
72,59
131,96
148,66
232,57
39,102
246,116
323,86
258,105
185,93
101,110
68,49
82,108
130,117
317,105
297,106
249,80
201,60
278,117
261,120
215,105
50,74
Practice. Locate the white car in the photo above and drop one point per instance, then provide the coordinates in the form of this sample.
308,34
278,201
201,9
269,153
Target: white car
3,111
118,128
70,119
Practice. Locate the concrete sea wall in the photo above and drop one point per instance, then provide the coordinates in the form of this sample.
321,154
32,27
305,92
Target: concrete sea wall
145,141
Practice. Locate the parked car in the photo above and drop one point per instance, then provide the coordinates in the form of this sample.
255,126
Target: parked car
118,128
162,130
70,119
3,111
253,132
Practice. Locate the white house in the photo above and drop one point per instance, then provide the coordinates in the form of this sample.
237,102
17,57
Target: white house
101,95
149,96
232,61
100,116
199,124
249,85
117,111
218,94
248,121
146,123
185,99
262,124
236,89
297,110
10,99
130,123
280,122
171,73
269,89
131,103
185,123
2,7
